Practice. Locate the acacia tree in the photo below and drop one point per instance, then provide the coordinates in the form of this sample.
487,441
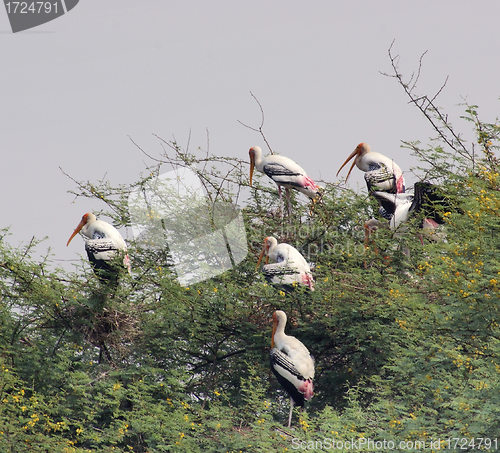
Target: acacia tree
406,345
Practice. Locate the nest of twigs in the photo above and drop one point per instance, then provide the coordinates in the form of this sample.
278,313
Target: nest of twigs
115,328
107,328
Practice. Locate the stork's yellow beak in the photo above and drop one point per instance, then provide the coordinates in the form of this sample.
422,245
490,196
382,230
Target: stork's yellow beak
354,154
264,249
252,165
78,228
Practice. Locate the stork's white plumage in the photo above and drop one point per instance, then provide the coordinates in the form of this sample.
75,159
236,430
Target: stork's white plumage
397,205
102,243
288,265
284,172
291,363
381,173
425,197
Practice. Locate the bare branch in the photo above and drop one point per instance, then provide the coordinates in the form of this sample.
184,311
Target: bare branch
439,92
260,128
419,70
142,151
426,105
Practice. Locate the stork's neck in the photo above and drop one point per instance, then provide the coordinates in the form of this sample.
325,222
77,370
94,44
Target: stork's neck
377,160
88,230
280,331
91,227
258,158
272,249
366,161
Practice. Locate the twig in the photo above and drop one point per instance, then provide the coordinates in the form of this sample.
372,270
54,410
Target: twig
259,129
426,105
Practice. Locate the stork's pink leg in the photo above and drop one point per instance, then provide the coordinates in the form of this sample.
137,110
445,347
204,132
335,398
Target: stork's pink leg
289,201
281,200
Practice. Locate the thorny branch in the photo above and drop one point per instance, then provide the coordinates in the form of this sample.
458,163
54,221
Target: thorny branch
260,128
187,161
428,107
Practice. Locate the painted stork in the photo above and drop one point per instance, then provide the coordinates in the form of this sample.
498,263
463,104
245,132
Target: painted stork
291,363
102,243
381,173
425,198
288,266
284,172
399,207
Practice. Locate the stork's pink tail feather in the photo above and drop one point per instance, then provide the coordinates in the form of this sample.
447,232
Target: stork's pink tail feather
308,183
308,280
400,185
307,389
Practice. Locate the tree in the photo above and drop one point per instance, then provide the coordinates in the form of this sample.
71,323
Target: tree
406,346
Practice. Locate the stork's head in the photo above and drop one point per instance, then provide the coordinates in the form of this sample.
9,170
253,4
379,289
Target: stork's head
358,154
86,220
254,152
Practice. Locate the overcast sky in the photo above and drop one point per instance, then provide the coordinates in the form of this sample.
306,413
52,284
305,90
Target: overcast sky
73,90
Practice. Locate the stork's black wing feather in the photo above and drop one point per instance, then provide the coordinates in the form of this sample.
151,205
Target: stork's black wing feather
101,253
387,202
430,200
280,361
270,271
274,169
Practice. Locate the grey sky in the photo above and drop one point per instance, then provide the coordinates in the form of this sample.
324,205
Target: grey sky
74,89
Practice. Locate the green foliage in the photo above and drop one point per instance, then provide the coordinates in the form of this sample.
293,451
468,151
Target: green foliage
405,335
